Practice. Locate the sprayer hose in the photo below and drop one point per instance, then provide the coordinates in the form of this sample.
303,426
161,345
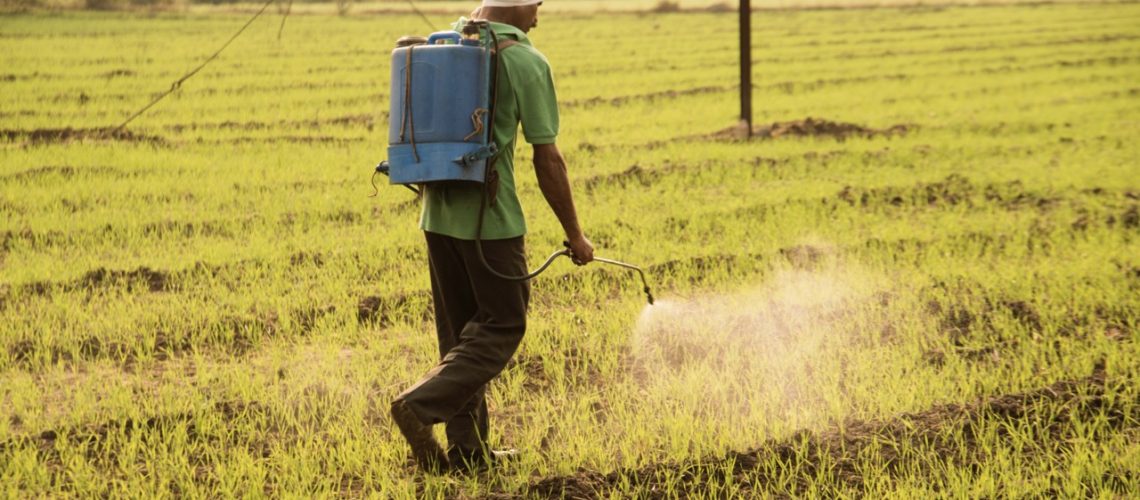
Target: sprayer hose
490,164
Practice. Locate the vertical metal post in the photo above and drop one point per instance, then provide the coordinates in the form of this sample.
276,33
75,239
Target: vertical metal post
746,64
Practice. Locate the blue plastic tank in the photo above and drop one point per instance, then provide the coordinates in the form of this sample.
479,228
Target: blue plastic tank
443,134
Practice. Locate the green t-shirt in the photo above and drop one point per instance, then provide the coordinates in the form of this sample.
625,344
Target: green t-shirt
525,95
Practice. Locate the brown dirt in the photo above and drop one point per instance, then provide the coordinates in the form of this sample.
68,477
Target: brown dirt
343,217
186,229
634,175
414,306
1023,312
96,436
954,190
306,319
1131,218
804,257
58,135
289,139
100,278
647,97
791,87
302,259
117,73
840,451
531,365
412,204
367,121
65,171
156,281
239,333
810,127
235,333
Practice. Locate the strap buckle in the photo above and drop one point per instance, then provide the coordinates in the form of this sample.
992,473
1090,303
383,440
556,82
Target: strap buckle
482,153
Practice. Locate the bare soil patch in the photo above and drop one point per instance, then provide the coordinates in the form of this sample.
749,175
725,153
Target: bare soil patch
290,139
646,97
141,278
804,257
953,190
120,72
234,334
531,366
62,135
387,310
99,437
634,175
810,127
65,171
154,280
841,450
351,121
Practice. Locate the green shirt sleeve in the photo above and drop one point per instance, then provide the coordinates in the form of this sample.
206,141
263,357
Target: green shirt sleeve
537,100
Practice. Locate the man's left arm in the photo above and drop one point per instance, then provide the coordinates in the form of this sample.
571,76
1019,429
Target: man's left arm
538,113
550,168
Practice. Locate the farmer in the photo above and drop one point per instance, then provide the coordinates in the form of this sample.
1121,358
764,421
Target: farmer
480,318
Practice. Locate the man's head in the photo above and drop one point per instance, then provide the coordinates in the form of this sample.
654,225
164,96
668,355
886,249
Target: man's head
522,14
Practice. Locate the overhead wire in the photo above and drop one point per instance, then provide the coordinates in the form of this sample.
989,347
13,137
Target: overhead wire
421,14
178,83
284,16
280,29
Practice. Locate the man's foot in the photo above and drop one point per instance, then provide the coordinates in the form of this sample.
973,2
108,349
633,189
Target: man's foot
468,462
426,450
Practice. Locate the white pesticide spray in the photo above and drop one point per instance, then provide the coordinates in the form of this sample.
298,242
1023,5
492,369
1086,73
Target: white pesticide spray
757,352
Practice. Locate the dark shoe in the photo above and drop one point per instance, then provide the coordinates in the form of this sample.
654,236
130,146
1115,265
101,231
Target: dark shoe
426,450
468,462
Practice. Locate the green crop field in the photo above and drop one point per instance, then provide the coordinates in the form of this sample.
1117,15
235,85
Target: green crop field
921,278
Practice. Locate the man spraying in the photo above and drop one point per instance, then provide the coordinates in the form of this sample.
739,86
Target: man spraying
481,317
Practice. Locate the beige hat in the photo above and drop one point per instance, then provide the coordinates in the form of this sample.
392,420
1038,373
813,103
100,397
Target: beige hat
509,3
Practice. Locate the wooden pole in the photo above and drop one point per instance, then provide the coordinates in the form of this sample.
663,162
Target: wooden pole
746,65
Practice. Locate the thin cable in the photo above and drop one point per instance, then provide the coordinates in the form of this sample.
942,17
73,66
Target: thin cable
422,16
178,83
281,29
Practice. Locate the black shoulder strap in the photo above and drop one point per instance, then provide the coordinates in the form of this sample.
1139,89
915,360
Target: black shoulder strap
491,177
506,44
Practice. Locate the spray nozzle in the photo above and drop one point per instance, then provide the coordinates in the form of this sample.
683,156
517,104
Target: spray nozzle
640,272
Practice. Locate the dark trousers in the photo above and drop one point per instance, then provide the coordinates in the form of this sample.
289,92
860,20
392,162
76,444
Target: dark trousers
480,320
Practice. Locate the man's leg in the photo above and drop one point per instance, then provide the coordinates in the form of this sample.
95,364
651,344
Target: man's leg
468,443
486,342
467,430
455,305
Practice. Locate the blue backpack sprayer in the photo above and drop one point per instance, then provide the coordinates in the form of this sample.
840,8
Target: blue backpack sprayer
441,131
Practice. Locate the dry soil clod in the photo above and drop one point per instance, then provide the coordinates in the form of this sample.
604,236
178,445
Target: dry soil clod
810,127
68,134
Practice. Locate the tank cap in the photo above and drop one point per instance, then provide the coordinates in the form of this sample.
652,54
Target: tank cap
408,41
